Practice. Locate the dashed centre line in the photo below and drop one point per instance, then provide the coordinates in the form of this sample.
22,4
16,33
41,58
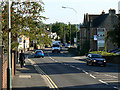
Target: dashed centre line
92,76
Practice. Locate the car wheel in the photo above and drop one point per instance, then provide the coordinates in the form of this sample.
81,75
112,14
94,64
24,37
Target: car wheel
42,56
104,65
90,63
87,63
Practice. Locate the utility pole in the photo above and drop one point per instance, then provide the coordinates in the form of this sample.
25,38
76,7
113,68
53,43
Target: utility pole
1,50
9,48
64,34
70,33
105,40
76,35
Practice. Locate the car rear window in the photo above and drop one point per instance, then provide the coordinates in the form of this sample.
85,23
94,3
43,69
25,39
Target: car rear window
55,45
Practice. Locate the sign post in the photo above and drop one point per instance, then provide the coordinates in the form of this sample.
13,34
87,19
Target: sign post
105,40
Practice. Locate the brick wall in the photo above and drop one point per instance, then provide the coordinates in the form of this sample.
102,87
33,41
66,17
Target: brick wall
13,63
5,65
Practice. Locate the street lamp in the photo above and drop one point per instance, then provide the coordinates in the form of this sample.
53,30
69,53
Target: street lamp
9,46
76,20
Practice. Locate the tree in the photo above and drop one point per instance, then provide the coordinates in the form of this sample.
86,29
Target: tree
59,29
115,34
25,20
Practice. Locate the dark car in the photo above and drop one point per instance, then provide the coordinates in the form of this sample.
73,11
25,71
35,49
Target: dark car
95,59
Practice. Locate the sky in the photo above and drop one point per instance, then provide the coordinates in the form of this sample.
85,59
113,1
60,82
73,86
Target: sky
55,12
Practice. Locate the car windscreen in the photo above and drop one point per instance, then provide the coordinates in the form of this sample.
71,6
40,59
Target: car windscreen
96,56
55,46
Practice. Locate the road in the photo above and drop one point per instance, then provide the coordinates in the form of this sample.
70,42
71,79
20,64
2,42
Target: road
64,70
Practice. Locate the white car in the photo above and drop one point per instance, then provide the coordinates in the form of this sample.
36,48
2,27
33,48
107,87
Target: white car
67,46
56,48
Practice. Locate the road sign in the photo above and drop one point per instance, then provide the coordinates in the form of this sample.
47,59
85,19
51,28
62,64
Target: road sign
101,33
95,37
100,37
75,40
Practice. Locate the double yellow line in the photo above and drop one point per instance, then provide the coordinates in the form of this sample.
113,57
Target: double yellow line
44,75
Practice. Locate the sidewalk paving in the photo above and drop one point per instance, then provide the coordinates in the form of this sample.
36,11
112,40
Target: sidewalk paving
28,78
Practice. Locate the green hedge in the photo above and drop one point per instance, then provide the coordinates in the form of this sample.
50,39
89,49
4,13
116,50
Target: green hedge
103,53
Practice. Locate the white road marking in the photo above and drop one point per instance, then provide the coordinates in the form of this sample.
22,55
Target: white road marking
65,64
72,66
111,81
111,76
116,88
92,76
85,72
78,68
103,82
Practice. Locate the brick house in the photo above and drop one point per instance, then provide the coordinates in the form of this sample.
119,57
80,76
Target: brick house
93,21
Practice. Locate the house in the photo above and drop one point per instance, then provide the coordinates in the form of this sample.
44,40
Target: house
23,43
90,25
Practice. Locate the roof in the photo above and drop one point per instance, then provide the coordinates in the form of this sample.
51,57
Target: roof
99,20
103,20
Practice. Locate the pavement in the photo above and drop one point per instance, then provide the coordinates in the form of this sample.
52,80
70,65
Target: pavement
28,78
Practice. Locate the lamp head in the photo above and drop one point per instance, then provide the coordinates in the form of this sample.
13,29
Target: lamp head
63,7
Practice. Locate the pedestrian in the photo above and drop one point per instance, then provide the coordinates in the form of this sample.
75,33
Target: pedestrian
22,58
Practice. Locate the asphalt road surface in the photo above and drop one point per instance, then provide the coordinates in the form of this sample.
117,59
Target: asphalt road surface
66,71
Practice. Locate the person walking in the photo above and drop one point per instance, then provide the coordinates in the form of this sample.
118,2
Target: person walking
22,58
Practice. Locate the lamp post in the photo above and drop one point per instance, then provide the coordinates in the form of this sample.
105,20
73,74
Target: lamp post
9,47
76,21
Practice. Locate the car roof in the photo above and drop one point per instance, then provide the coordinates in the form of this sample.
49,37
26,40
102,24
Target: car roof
38,50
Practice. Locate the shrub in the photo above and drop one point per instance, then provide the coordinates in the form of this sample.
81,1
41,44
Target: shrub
103,53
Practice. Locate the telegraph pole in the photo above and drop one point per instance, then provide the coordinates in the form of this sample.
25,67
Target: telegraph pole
70,33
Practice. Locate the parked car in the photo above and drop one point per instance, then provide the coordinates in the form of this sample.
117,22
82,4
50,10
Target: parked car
95,59
118,53
67,46
39,53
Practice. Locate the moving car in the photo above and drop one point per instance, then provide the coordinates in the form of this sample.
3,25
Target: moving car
95,59
39,53
56,46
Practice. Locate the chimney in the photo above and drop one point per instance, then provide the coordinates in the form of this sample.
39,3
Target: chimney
103,12
112,11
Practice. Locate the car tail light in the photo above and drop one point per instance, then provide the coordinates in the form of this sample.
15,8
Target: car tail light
42,52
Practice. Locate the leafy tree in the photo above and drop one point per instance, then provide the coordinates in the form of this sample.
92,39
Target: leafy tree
59,29
115,34
25,19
